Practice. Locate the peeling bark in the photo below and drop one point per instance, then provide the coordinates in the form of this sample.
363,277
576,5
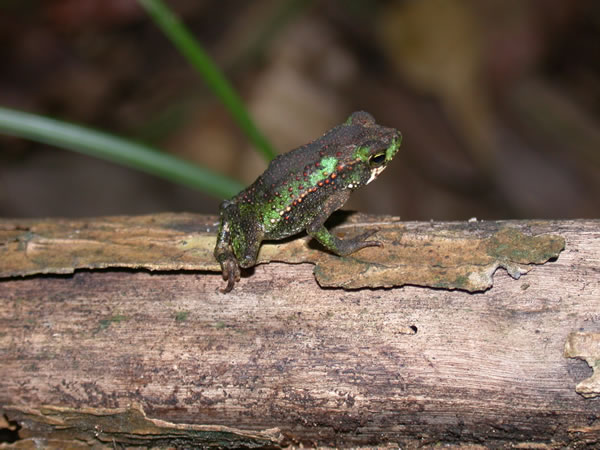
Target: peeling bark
452,256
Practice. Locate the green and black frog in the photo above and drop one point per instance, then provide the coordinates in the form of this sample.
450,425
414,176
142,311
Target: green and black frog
301,189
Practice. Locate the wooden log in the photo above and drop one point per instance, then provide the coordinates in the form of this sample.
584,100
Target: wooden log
128,356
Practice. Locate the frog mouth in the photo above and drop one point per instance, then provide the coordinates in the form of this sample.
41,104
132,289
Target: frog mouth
375,173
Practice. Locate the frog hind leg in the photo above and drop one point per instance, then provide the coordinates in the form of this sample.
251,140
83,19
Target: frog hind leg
237,246
341,247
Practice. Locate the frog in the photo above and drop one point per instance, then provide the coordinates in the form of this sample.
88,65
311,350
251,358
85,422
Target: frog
300,189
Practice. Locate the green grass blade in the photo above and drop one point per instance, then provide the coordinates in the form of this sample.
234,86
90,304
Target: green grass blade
115,149
189,47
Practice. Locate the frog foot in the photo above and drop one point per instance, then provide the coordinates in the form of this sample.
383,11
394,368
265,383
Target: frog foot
359,242
231,274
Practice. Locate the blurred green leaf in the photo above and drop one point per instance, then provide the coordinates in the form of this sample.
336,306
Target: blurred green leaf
115,149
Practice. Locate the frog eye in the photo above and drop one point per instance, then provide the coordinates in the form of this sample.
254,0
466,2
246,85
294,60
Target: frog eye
377,160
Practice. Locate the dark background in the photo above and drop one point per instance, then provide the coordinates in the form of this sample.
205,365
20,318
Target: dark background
498,100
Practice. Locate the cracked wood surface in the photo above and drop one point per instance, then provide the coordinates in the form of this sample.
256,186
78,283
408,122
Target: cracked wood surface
281,360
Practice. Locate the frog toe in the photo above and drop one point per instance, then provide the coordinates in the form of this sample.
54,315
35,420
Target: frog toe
229,287
360,242
367,234
231,274
372,244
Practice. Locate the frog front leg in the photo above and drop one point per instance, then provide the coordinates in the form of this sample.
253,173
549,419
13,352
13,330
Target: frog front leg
237,246
230,267
341,247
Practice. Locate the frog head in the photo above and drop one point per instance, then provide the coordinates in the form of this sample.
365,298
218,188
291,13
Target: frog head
371,149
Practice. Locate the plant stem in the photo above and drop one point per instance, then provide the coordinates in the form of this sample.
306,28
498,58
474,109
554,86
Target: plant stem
189,47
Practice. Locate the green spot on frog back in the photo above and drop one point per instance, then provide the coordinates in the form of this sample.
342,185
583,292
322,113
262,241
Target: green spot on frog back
326,165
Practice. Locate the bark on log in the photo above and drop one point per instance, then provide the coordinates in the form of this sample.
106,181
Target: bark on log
130,357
